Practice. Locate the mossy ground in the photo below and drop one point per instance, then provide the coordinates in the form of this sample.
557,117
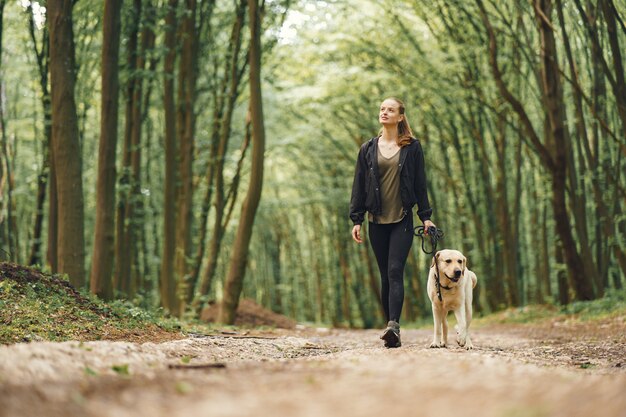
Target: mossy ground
612,305
37,306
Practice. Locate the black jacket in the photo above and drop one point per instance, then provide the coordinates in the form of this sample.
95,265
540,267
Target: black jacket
366,185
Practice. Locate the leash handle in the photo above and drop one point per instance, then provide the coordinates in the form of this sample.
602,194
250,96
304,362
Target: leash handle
435,235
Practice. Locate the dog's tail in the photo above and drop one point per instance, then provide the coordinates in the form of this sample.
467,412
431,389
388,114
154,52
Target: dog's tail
473,278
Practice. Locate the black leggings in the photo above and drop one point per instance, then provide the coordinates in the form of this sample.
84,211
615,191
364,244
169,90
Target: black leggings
391,244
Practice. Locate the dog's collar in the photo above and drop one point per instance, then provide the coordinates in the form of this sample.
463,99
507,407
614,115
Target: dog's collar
444,287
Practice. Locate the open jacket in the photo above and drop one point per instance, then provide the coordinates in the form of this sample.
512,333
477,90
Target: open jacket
366,185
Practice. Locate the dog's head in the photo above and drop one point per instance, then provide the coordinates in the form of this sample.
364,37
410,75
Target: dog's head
451,264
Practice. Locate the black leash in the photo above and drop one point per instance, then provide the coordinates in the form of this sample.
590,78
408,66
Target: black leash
433,233
438,285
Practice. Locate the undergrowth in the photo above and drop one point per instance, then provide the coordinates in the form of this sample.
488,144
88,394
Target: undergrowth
35,306
611,305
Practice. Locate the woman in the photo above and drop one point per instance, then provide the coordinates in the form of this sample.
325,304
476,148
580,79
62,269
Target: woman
389,180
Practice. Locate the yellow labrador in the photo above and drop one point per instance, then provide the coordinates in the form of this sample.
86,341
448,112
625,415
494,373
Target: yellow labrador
453,293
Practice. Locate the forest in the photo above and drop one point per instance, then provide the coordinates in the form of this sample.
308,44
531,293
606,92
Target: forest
180,153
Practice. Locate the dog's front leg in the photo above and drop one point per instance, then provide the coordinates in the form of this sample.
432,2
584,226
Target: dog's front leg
461,337
437,330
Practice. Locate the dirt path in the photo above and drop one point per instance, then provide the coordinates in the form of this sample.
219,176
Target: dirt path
549,370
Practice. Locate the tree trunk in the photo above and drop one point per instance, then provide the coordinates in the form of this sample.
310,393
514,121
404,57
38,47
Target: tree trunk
168,285
44,175
104,237
65,142
588,162
128,182
5,166
187,75
136,213
555,109
230,89
53,209
619,88
239,257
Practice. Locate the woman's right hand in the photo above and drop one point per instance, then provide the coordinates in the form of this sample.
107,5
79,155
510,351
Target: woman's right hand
356,233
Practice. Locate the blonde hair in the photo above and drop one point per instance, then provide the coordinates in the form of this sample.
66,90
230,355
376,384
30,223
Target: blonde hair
405,134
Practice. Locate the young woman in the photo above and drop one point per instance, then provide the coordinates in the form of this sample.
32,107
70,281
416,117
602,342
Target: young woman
389,181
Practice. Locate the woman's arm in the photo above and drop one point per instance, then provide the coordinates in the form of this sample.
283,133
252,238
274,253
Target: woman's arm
357,200
424,211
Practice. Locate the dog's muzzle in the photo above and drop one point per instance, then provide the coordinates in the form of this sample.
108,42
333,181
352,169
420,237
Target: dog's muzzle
457,276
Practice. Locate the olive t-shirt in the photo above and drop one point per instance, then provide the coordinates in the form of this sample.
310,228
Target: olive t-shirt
392,211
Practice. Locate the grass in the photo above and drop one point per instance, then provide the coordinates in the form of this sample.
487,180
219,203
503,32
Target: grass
613,304
35,306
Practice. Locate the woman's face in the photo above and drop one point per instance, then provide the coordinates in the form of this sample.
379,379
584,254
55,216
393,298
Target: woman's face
389,113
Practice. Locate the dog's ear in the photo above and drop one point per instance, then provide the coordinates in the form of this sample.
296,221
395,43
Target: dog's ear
464,264
435,259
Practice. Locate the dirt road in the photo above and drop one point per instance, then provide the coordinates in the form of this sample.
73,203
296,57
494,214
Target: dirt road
549,370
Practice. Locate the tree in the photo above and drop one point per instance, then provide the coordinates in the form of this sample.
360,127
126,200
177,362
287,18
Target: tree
186,126
104,235
130,209
45,175
167,282
65,143
239,256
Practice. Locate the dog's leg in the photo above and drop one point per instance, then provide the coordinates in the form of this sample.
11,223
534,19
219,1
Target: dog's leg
437,330
468,319
461,337
444,325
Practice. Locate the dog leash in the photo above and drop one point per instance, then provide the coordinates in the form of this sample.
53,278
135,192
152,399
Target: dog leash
438,285
435,235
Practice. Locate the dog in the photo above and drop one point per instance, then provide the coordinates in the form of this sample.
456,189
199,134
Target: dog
453,293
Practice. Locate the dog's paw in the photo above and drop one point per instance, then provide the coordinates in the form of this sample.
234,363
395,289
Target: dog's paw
436,345
469,346
461,340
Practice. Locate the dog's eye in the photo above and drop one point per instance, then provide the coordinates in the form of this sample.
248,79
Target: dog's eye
460,261
448,261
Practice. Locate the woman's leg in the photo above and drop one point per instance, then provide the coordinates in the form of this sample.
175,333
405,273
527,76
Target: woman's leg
400,240
379,239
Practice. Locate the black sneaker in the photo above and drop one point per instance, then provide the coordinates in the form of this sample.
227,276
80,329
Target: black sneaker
391,335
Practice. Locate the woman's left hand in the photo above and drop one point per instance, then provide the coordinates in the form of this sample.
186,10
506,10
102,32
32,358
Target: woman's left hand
428,224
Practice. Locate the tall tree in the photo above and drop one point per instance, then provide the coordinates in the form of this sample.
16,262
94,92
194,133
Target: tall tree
239,255
104,238
186,125
65,143
6,234
558,147
44,177
168,284
128,205
226,98
552,152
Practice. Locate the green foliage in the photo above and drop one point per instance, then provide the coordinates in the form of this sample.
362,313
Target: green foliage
612,304
183,387
121,370
35,306
90,372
